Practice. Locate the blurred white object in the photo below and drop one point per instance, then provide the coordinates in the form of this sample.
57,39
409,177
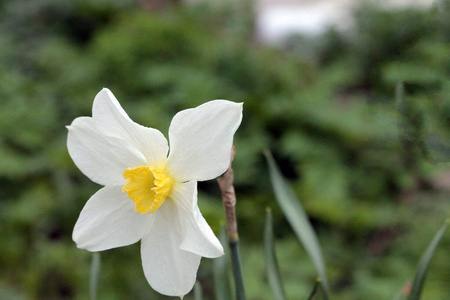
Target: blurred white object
277,19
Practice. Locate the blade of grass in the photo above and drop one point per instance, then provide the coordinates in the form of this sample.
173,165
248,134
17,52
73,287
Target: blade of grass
422,267
272,270
94,275
220,269
298,219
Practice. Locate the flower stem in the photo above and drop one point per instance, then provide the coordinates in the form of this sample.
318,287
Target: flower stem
237,269
95,274
229,202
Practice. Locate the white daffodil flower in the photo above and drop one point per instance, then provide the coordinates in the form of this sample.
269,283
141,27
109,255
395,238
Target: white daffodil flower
149,193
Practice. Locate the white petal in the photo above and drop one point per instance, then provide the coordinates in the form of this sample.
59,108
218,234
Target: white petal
197,235
168,269
101,158
113,120
201,139
108,220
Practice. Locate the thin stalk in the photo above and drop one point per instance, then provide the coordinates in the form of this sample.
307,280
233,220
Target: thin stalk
220,267
198,291
229,202
237,269
95,274
315,289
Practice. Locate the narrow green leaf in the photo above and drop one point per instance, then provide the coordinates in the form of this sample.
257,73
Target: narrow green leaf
315,289
198,293
220,269
298,219
95,274
422,267
272,270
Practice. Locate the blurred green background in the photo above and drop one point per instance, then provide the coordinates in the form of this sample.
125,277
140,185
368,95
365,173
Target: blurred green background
372,173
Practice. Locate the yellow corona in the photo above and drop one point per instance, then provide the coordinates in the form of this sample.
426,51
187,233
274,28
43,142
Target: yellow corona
147,186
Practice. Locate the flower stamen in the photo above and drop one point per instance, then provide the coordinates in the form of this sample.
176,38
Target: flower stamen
147,186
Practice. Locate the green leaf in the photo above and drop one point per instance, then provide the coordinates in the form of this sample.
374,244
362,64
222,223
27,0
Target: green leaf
220,269
95,274
298,219
315,289
272,270
422,267
198,293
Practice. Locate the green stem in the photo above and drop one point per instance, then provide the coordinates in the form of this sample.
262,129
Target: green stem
229,202
237,268
95,274
315,289
198,292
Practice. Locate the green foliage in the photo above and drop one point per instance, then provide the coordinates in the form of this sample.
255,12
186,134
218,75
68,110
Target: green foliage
270,257
422,268
317,290
325,109
298,219
220,268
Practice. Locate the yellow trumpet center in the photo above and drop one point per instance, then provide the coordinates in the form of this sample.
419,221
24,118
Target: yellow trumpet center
148,187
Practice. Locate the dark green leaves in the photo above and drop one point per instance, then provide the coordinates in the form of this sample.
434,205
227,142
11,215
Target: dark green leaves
298,219
422,267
